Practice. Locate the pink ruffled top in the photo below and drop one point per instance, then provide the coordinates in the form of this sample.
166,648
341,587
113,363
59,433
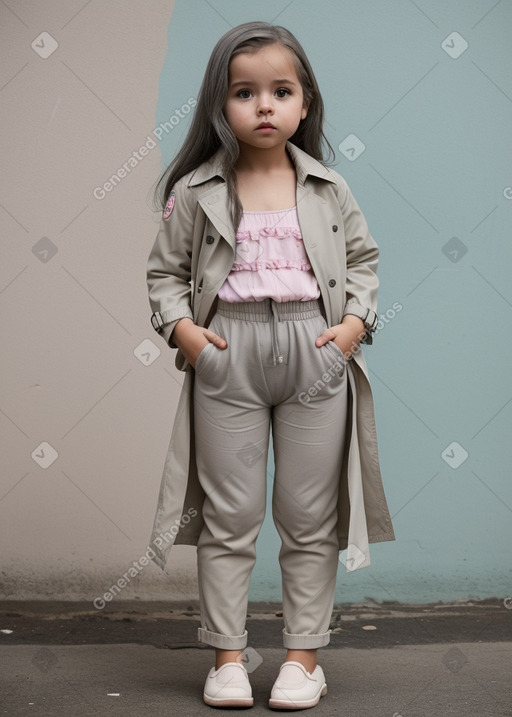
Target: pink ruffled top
270,260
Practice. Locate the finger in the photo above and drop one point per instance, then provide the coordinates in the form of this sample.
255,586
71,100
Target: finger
216,339
324,338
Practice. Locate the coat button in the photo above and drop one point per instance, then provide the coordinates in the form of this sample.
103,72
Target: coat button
209,239
332,282
335,227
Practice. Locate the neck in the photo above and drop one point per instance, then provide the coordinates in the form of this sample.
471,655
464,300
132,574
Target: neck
253,159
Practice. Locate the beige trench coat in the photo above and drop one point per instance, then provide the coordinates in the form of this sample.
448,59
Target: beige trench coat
191,257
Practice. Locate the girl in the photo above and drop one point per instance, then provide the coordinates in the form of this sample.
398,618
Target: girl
263,277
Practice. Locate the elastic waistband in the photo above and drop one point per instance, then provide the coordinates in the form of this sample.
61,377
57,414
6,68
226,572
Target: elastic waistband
266,309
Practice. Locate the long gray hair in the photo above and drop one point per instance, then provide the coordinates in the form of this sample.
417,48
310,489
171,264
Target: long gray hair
209,129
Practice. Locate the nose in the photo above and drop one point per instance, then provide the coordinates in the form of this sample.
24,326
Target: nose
265,106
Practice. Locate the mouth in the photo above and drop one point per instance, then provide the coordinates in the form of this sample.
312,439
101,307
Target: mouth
265,125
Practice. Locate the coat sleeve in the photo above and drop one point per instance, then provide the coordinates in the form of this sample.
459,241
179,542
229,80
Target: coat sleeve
169,264
362,254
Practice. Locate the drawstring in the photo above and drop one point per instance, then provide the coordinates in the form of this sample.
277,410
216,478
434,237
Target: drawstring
275,346
280,311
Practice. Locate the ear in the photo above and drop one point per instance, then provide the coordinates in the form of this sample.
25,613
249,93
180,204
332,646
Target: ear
304,111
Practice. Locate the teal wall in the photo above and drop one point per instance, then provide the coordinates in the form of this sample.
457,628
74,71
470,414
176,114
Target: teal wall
434,182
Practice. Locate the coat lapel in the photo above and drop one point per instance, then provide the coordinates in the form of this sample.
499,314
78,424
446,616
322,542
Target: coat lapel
215,204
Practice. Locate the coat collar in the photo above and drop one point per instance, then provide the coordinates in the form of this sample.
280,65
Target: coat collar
305,166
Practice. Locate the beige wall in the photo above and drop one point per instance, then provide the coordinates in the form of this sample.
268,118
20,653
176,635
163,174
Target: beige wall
74,305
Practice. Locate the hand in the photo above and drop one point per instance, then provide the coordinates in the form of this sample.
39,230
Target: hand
347,335
191,339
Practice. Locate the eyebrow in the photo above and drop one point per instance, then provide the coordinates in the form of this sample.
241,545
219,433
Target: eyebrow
246,83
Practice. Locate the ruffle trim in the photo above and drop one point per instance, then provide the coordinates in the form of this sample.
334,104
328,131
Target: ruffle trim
271,264
265,232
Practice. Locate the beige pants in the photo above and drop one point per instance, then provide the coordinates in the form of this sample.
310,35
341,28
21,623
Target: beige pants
271,376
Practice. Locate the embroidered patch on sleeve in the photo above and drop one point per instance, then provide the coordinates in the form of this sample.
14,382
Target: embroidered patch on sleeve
169,206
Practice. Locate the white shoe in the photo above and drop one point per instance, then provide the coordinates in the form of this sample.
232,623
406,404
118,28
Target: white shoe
228,686
296,688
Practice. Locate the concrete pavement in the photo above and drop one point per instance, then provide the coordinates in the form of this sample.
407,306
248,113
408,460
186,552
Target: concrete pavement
142,659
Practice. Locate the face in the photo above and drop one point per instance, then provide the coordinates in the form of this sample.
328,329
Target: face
265,102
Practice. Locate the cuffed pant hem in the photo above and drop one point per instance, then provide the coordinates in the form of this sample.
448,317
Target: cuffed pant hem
305,642
223,642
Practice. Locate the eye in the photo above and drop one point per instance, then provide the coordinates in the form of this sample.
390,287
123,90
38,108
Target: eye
243,94
282,92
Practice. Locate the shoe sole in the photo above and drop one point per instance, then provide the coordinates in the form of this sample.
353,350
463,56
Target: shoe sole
298,705
229,702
